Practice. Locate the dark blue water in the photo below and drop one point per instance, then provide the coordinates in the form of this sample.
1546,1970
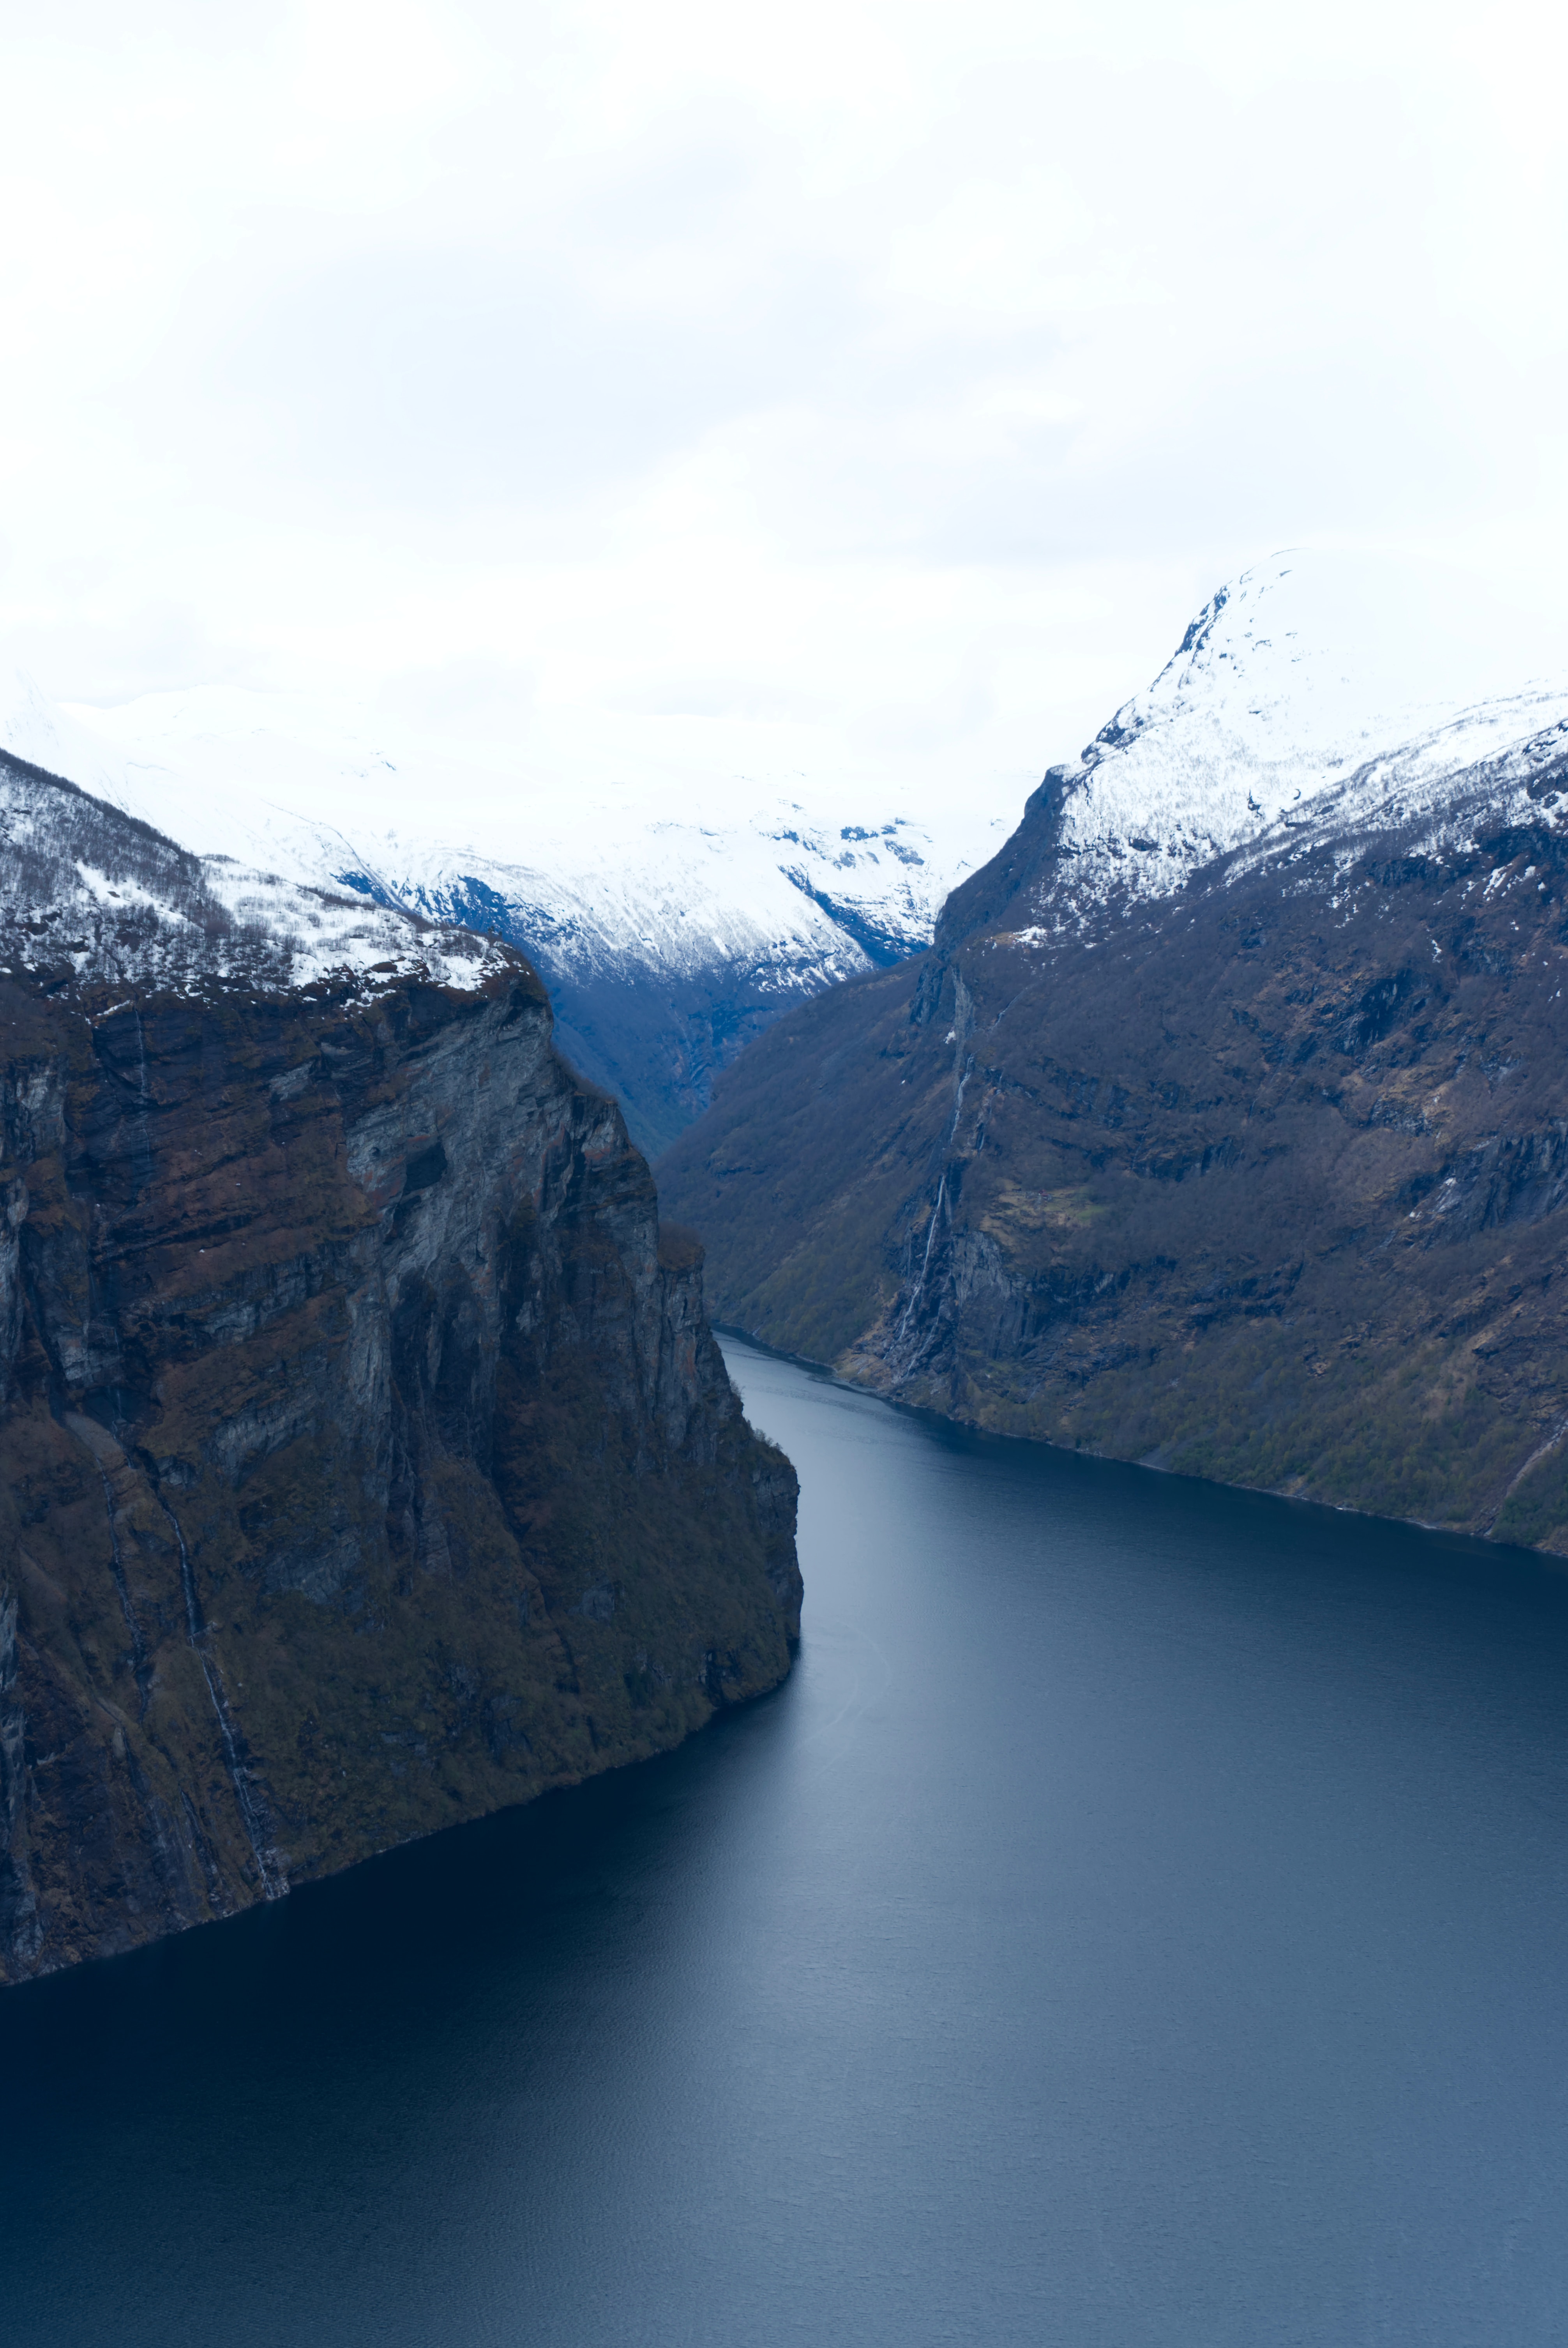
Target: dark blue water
1143,1918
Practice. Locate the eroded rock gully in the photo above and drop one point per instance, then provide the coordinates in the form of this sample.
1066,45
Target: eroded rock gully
367,1464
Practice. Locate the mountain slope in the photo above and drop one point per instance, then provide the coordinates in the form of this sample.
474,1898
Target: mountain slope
1226,1125
367,1461
671,916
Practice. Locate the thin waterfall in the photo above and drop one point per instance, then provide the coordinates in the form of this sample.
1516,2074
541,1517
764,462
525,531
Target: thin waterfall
925,1260
274,1883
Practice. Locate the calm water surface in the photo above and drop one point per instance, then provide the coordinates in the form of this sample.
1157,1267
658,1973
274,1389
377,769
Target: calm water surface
1144,1918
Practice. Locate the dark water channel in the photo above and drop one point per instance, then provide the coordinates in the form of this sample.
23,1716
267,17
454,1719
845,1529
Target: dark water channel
1144,1919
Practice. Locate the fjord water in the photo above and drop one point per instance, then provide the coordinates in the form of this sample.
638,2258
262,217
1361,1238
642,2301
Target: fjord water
1142,1919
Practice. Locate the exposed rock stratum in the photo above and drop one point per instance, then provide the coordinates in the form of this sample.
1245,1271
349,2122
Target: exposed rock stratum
368,1460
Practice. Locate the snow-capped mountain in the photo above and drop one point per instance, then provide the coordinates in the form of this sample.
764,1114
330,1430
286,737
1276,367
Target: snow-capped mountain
1226,1125
671,915
1297,705
675,910
92,899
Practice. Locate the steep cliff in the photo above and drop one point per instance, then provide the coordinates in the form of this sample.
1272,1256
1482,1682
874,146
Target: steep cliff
366,1463
1226,1125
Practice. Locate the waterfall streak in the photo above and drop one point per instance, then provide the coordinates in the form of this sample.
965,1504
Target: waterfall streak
274,1882
925,1260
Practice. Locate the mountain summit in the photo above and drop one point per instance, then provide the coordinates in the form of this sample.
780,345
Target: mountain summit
1302,698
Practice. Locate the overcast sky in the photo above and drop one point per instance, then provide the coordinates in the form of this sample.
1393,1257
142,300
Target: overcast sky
879,386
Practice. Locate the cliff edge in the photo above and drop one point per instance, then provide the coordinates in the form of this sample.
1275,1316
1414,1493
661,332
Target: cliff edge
364,1464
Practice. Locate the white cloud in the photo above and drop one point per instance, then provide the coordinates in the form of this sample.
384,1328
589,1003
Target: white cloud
876,383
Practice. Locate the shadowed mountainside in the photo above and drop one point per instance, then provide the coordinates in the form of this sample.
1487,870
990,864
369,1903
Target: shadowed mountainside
1258,1175
367,1462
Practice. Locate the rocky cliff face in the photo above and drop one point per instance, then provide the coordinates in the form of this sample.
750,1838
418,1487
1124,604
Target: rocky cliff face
1248,1160
367,1462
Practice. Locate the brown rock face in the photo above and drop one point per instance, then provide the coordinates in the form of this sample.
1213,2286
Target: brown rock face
366,1466
1264,1181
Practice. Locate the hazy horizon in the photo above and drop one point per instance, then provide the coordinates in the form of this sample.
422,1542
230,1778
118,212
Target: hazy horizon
870,393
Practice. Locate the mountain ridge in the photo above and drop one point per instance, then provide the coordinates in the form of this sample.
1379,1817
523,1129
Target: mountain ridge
1250,1167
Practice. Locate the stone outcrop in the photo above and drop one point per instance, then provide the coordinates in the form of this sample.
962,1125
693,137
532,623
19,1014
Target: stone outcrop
368,1464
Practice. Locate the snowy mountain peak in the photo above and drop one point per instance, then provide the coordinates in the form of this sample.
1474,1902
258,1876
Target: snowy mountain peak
1308,690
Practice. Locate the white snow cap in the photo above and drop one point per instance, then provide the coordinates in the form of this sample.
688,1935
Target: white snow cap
84,893
1313,683
1312,677
664,871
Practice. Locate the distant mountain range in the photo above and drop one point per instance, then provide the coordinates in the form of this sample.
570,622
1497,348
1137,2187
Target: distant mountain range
671,919
1224,1125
